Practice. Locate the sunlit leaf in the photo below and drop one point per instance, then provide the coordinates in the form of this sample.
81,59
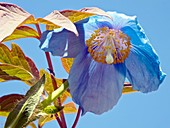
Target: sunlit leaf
21,114
67,63
128,88
11,17
70,108
22,32
14,65
56,20
83,13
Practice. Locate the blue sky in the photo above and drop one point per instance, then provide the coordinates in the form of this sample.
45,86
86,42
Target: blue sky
135,110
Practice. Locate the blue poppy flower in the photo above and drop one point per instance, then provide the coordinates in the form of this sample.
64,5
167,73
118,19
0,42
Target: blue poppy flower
106,52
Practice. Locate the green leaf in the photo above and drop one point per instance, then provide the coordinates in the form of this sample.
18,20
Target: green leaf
14,65
8,102
24,110
11,17
22,32
57,20
83,13
52,97
128,88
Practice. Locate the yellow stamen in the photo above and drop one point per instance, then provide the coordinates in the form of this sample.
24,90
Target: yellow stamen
108,46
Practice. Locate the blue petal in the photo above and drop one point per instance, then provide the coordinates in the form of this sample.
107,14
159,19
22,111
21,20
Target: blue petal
136,33
143,69
96,87
94,23
62,42
120,20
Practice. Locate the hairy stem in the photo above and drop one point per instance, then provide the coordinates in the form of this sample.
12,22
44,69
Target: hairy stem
77,117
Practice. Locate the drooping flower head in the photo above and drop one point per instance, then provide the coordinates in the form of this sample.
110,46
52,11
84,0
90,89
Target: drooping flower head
106,52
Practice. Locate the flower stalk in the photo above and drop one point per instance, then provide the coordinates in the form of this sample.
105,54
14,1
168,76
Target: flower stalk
61,122
77,117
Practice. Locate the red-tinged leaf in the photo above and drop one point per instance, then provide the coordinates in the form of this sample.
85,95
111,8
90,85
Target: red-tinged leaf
22,32
67,63
83,13
12,72
8,102
70,108
14,65
24,112
24,61
128,88
11,17
56,20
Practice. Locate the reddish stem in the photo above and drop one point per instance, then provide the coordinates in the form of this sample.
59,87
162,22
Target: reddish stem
77,117
38,29
55,87
49,62
61,122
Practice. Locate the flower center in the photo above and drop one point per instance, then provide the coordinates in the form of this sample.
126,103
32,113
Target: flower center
108,46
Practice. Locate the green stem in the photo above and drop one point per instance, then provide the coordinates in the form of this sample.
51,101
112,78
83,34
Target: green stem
55,95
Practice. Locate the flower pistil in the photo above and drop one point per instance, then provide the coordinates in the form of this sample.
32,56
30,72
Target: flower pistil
109,46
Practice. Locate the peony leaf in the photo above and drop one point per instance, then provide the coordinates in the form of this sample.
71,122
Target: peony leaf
57,20
83,13
12,72
127,88
14,65
11,17
22,32
67,63
8,102
21,114
70,108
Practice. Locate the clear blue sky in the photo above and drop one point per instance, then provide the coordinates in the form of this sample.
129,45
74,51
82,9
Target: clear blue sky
135,110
